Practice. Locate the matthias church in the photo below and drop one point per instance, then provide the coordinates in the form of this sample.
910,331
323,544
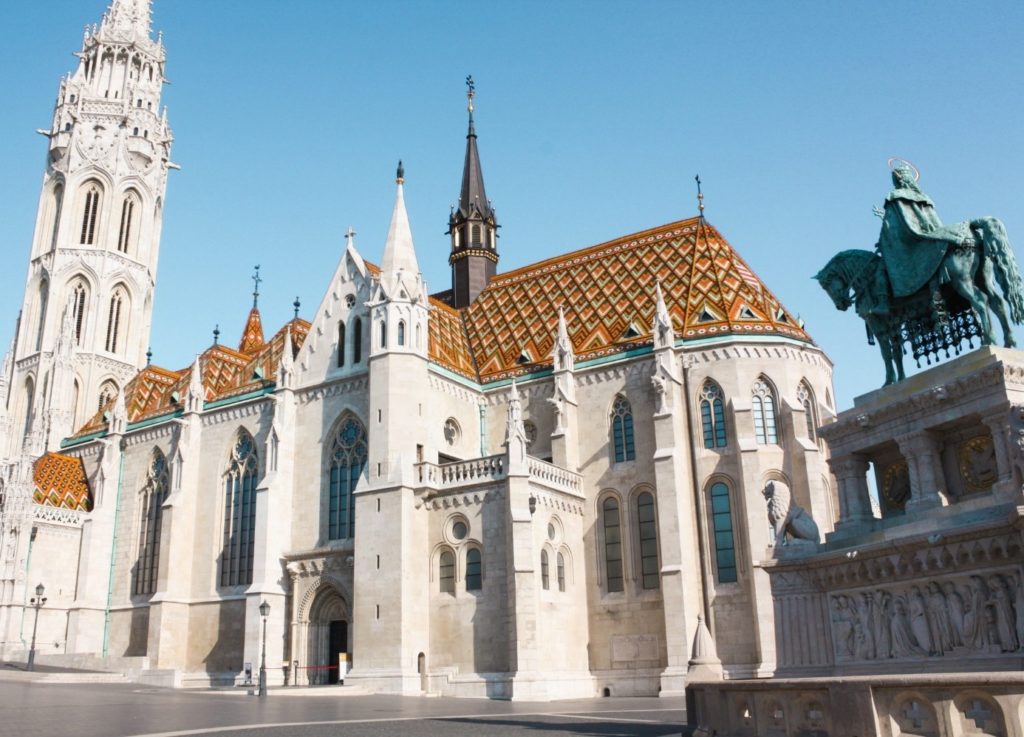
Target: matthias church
540,483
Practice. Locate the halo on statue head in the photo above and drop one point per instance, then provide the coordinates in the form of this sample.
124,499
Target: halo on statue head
897,163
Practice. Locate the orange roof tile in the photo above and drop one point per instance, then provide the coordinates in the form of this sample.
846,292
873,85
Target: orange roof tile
449,344
607,292
252,334
60,481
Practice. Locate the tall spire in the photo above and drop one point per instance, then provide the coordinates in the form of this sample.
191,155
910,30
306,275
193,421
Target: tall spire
473,225
399,253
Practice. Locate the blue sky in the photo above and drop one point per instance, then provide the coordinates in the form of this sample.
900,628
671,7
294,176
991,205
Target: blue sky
593,118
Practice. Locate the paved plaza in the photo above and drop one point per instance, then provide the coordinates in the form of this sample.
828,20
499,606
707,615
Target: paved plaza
38,708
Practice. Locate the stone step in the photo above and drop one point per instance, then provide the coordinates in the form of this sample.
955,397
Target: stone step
82,678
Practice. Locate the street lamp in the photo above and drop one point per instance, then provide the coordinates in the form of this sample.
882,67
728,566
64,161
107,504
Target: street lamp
264,612
37,603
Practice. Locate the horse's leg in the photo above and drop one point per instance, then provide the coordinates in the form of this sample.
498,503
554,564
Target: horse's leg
897,357
962,267
885,346
986,276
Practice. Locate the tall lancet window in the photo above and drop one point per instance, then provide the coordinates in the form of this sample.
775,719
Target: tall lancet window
239,513
357,341
90,214
805,398
44,298
341,344
58,205
79,295
30,398
622,430
712,415
153,496
347,461
116,319
126,232
763,404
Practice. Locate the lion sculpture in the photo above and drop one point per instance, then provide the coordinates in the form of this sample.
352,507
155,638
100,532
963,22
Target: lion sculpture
787,518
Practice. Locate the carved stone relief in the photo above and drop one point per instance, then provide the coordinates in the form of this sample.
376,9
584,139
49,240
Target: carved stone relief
966,615
976,460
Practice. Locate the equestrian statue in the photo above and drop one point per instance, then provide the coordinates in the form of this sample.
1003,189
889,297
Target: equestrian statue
928,284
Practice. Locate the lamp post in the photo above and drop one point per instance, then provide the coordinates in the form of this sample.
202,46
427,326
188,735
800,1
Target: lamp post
37,603
264,613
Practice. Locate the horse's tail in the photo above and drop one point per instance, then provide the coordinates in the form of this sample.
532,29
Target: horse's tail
997,246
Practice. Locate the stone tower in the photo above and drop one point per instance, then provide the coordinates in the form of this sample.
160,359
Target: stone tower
473,226
85,320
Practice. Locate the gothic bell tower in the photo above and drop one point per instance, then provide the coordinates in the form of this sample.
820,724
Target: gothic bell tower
84,326
473,227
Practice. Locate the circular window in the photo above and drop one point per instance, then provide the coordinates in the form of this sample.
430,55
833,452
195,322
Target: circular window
531,433
459,530
451,431
551,531
350,301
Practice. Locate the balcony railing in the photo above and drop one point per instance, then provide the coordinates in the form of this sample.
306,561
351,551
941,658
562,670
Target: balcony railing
554,477
462,473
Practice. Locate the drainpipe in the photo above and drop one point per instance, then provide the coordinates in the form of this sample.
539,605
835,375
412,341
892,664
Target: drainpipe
113,552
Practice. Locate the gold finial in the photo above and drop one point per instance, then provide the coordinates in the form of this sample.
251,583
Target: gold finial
470,92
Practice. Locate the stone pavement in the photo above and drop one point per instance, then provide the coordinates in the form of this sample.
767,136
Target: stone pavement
41,709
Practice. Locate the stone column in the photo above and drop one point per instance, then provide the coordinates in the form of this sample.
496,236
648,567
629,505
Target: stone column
924,463
854,500
999,425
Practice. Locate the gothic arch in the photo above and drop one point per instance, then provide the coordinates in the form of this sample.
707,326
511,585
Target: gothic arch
325,579
344,462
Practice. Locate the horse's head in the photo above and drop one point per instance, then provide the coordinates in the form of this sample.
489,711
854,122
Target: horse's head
833,280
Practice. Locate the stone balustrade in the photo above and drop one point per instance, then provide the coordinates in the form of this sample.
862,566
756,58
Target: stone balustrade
462,473
554,477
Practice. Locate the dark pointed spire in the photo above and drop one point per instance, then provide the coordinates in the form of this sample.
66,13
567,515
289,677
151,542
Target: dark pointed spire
473,199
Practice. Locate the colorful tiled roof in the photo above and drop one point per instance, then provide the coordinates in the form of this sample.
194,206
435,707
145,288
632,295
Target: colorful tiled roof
226,373
252,334
60,481
607,292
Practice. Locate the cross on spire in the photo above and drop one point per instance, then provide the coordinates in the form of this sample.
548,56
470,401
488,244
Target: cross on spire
256,286
349,235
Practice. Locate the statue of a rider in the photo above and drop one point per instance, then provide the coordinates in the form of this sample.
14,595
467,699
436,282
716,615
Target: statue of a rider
913,240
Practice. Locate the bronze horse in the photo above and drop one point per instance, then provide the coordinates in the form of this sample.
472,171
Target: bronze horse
965,280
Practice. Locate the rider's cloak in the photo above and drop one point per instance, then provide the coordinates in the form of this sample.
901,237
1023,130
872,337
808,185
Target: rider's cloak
914,241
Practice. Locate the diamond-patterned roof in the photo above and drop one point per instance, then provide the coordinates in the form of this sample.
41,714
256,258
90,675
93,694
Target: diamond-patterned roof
60,481
607,292
156,391
252,334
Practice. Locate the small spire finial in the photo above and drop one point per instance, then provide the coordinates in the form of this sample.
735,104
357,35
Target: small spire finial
296,304
470,92
700,198
149,356
256,286
400,174
216,334
351,233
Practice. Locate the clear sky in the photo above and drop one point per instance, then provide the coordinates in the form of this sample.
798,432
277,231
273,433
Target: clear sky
593,118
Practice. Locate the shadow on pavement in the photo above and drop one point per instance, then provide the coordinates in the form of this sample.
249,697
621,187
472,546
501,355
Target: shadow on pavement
588,728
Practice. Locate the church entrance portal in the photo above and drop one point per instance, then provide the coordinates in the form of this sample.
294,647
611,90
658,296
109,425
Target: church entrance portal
328,637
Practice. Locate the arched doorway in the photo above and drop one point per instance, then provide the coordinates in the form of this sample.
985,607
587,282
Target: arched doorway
328,636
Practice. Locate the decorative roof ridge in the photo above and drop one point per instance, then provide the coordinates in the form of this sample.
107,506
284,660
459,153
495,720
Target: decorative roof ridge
435,302
252,334
633,239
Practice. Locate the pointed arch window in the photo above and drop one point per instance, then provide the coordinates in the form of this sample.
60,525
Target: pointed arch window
78,299
348,459
805,398
560,571
612,544
341,344
401,332
108,390
545,580
154,494
30,398
763,404
446,572
126,231
647,534
58,206
712,415
474,570
622,430
44,297
76,395
383,334
357,341
725,543
240,479
90,214
115,320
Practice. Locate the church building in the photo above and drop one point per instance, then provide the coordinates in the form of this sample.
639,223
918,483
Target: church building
536,484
